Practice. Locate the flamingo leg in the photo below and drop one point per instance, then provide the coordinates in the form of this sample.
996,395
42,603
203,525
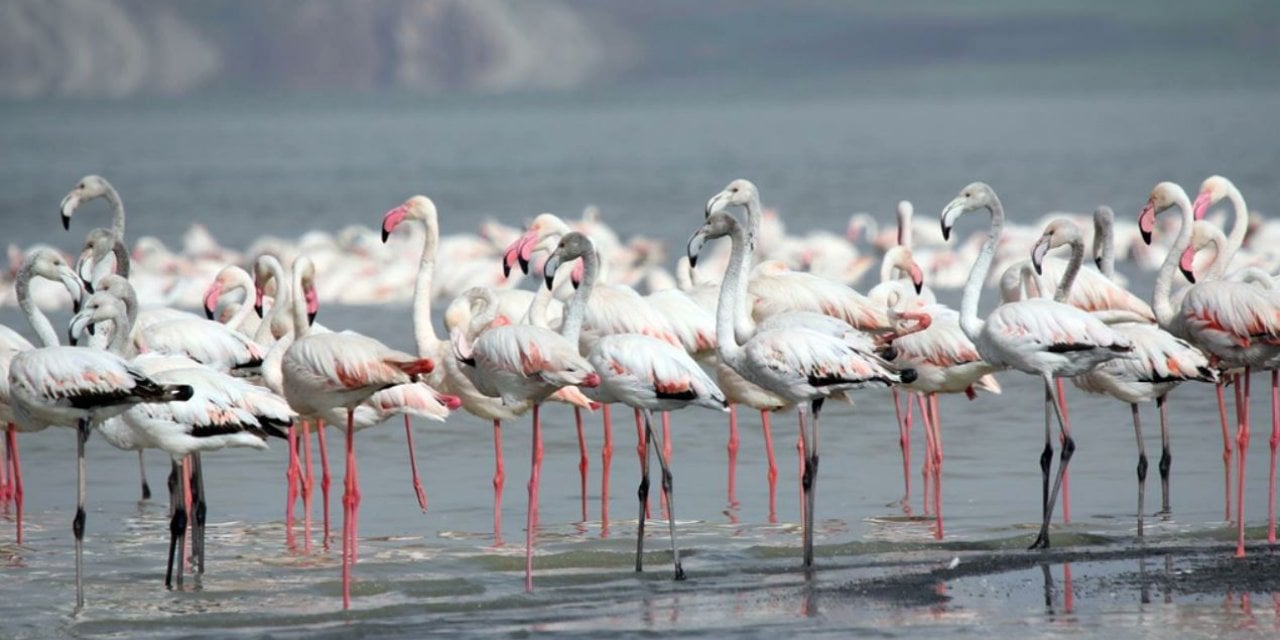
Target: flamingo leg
732,448
499,479
904,443
643,494
16,476
177,524
1226,451
6,489
666,442
1065,419
810,479
1166,457
308,482
926,469
641,444
935,426
142,471
199,511
418,490
349,501
663,461
291,485
1275,442
800,450
773,465
1142,465
582,458
77,525
324,480
1068,448
606,461
532,511
1242,448
186,502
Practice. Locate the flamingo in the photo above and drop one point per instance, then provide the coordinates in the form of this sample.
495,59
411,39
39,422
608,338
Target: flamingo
1159,362
56,385
325,371
525,363
1040,337
10,344
641,372
1234,321
222,411
799,364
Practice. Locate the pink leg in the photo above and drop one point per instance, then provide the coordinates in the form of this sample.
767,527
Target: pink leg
1066,476
499,479
413,467
291,485
348,512
6,489
606,461
1275,441
926,470
534,479
936,426
1226,451
18,492
308,482
732,448
355,512
324,480
904,445
773,466
1242,448
582,458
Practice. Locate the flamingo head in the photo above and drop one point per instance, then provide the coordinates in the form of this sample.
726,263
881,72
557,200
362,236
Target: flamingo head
313,302
89,187
50,265
542,231
1213,189
1059,232
590,381
901,258
739,193
100,306
1103,219
572,246
415,208
211,296
717,225
1163,196
978,195
450,402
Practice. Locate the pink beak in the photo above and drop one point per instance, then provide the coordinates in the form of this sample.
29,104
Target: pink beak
1186,264
591,381
393,218
313,304
1201,205
211,296
257,301
1147,221
519,251
579,272
450,402
917,276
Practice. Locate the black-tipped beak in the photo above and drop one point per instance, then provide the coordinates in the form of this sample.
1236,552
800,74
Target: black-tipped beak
71,338
919,287
385,234
88,286
311,318
1098,261
208,313
946,233
257,308
75,306
550,278
524,265
1187,273
1146,237
66,221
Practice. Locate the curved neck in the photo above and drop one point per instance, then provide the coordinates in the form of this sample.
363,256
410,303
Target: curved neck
300,325
754,215
280,307
1073,269
39,323
577,311
244,282
424,332
1161,304
970,323
121,329
117,211
1239,227
904,227
1218,266
731,303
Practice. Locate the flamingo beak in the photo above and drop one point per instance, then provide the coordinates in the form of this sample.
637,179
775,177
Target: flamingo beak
579,271
1147,221
211,296
949,215
1185,264
1097,260
1037,255
549,269
393,218
313,305
519,252
694,247
917,277
69,204
1204,200
591,381
75,288
450,402
257,301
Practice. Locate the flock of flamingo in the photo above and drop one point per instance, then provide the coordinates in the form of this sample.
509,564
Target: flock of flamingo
764,320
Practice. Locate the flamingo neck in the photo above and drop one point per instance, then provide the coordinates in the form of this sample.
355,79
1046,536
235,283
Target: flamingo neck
730,303
571,329
1105,233
36,318
904,226
281,306
300,325
1073,270
970,323
1221,256
1239,227
1032,285
244,282
117,211
1162,305
121,329
273,363
424,331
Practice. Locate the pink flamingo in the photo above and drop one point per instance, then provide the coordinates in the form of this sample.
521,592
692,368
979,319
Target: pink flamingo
1234,321
1158,364
1041,337
800,364
524,363
642,372
324,371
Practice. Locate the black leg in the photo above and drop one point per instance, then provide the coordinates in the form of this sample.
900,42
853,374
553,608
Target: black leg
1046,459
643,494
1064,459
177,525
142,469
1166,458
77,525
199,510
1142,466
657,443
810,479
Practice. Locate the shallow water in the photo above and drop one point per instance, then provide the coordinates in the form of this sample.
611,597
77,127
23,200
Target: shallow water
288,166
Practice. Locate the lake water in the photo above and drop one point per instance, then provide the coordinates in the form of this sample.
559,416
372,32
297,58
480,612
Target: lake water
281,166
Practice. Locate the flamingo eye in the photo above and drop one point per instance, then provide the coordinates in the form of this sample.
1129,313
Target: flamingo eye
80,186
